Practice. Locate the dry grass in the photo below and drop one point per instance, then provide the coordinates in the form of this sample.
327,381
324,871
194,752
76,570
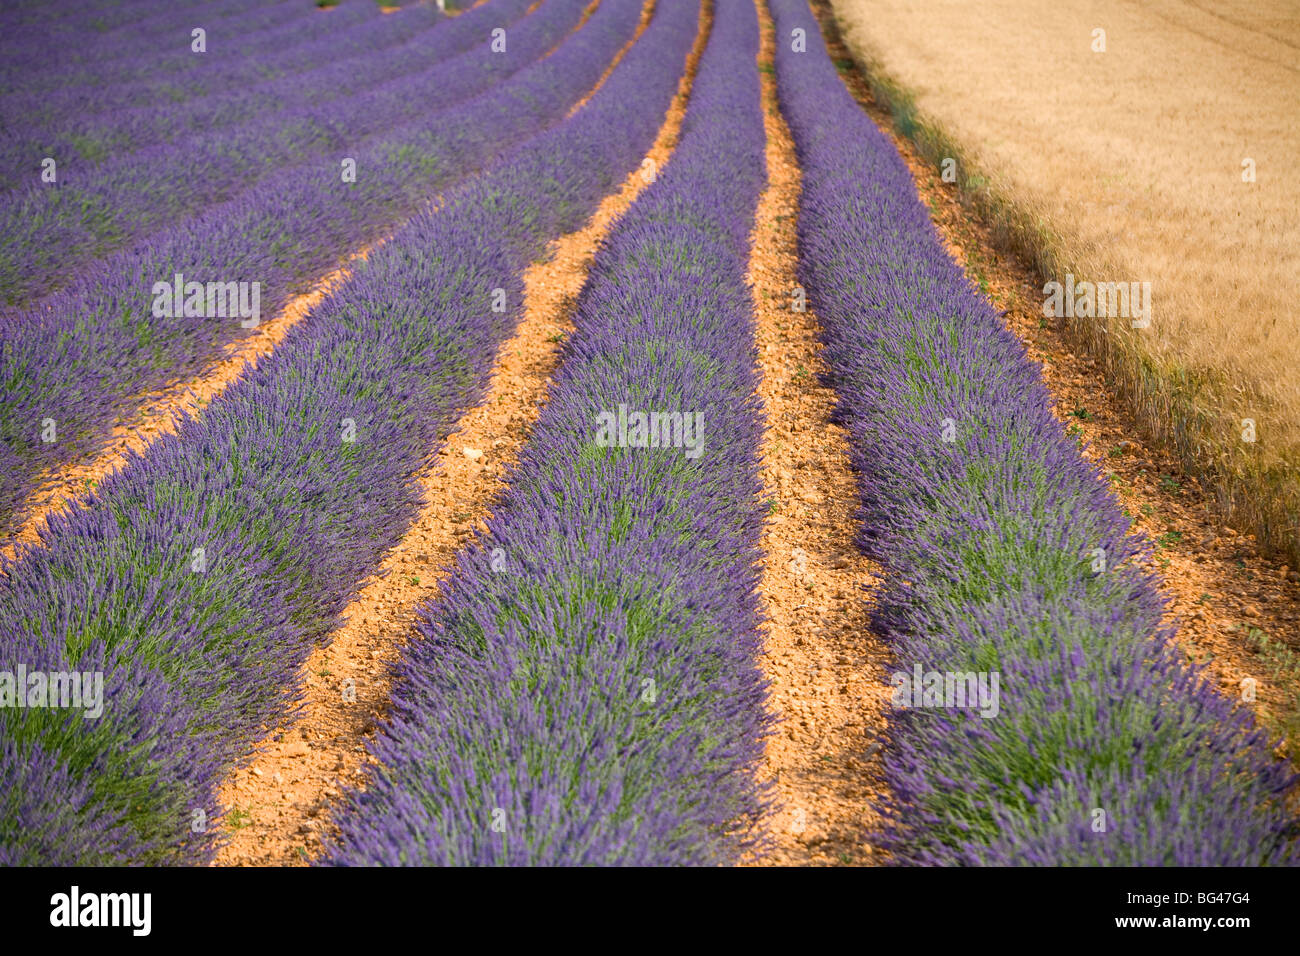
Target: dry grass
1127,165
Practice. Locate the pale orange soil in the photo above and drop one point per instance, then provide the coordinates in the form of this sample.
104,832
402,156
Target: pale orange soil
826,668
279,805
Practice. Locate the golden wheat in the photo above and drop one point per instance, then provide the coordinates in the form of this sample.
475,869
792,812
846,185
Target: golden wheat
1134,163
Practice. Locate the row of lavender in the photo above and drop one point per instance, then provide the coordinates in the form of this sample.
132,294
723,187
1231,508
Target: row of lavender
103,16
1005,554
241,35
586,689
222,64
49,233
239,38
197,579
311,70
46,41
101,22
69,368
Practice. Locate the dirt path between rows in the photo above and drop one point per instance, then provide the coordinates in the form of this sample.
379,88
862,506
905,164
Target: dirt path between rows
279,805
829,688
1238,612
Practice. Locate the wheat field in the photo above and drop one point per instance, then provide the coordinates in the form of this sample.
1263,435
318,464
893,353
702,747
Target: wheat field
1158,150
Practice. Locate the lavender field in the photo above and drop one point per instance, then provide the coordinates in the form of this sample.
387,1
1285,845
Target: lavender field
566,433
